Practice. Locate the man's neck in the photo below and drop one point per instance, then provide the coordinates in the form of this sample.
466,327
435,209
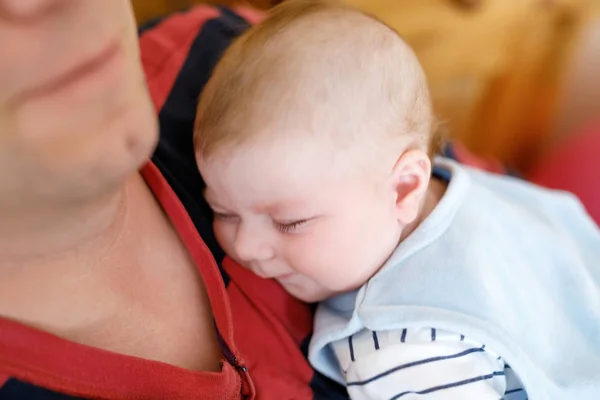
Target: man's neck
58,232
68,254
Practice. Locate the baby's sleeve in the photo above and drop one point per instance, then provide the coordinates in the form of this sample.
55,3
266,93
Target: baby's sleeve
424,364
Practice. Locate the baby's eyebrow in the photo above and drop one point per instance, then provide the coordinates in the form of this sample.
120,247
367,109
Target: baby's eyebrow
279,206
268,208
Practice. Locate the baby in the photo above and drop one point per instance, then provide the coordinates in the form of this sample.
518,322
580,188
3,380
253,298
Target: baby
315,138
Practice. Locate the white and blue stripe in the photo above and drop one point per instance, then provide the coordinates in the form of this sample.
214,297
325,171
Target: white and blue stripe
424,363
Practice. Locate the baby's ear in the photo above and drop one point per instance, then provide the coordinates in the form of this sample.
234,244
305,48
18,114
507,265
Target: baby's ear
409,181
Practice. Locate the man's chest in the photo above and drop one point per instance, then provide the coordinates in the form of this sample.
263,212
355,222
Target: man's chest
171,323
161,310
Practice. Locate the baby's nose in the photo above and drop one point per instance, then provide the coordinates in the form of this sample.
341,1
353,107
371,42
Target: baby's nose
252,247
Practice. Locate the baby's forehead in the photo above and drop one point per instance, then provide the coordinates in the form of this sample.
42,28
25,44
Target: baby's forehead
260,203
329,64
281,161
302,156
272,191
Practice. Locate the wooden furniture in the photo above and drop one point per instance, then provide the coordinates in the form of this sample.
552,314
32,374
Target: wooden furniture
494,66
148,9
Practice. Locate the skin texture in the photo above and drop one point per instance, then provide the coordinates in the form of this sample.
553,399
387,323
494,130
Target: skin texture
299,211
75,116
86,253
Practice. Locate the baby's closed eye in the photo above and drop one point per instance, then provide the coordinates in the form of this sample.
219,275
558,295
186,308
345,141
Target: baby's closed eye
288,227
224,216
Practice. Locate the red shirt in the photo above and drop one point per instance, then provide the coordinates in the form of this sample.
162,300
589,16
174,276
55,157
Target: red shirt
263,331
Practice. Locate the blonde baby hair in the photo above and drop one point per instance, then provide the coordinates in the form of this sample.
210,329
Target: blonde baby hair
323,66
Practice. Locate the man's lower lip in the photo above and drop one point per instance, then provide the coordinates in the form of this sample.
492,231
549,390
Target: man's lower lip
78,74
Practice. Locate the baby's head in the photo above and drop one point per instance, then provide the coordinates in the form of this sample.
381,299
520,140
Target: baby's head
314,138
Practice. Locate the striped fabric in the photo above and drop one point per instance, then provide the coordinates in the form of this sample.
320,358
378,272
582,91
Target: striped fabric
424,363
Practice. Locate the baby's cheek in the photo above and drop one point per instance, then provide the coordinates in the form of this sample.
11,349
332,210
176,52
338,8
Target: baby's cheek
300,254
225,235
317,259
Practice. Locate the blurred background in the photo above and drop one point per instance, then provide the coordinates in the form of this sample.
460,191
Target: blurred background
511,79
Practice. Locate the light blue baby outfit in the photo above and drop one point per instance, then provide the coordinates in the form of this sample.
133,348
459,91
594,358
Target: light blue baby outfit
506,263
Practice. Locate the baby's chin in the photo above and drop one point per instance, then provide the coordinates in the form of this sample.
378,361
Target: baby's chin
308,292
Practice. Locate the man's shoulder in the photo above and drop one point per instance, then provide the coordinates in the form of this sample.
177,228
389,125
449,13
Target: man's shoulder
183,51
178,55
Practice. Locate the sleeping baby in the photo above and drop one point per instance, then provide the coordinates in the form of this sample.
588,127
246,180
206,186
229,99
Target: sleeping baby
315,136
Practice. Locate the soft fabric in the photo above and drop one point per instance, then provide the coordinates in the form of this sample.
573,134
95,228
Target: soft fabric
507,264
435,364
